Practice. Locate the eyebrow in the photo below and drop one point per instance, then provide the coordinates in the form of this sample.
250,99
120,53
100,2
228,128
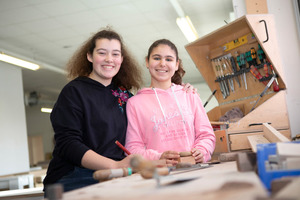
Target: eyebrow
168,56
102,49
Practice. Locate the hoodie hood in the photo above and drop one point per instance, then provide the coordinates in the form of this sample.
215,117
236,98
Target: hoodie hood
90,81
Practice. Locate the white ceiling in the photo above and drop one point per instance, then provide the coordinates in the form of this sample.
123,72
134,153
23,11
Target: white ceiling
49,31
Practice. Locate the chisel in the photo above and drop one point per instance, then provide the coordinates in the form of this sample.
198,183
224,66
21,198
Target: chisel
209,98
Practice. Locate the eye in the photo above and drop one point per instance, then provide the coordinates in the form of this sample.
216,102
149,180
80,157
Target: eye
169,59
101,52
116,54
156,58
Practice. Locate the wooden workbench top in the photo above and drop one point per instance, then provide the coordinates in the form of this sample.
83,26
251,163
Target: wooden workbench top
220,181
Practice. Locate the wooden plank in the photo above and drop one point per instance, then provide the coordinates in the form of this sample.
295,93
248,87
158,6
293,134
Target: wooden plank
273,135
256,139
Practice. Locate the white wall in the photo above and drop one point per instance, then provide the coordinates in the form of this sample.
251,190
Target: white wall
289,47
14,156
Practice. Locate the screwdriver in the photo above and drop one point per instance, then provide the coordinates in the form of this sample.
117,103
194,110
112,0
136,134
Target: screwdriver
262,58
234,68
255,73
242,65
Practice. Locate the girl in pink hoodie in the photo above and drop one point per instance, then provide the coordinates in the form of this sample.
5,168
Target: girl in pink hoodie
164,120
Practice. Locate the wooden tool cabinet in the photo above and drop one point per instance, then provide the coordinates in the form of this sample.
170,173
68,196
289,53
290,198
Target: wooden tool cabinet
271,108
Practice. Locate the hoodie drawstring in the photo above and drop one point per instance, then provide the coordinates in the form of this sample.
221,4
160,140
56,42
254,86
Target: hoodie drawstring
178,104
161,108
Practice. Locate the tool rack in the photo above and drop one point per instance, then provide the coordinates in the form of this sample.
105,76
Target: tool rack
250,31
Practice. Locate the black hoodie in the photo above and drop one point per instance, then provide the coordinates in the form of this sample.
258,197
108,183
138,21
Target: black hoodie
87,115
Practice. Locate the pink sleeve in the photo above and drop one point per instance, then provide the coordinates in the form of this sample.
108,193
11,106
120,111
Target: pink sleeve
205,138
134,136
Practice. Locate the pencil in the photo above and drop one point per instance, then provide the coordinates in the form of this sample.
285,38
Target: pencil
122,147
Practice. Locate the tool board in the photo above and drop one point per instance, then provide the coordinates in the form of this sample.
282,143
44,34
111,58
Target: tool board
214,55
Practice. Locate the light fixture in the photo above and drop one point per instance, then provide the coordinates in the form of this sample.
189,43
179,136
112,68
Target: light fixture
187,28
184,22
18,62
46,110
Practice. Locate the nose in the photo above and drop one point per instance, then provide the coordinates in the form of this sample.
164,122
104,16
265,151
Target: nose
108,58
162,62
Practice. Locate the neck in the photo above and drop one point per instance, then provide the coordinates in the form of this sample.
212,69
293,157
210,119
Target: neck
161,85
104,82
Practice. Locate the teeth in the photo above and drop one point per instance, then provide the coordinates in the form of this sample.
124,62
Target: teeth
161,70
108,67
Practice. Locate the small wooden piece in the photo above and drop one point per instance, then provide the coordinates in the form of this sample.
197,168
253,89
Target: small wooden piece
256,139
187,159
185,153
227,157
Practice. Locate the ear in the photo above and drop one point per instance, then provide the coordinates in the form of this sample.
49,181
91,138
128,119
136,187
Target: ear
89,57
147,63
177,65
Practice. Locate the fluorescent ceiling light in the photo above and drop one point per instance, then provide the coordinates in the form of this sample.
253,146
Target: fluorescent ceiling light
187,28
18,62
46,110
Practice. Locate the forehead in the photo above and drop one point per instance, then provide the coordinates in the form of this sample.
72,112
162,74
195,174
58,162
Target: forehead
104,43
163,50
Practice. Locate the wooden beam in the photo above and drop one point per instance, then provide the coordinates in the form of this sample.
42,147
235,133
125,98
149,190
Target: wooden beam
273,135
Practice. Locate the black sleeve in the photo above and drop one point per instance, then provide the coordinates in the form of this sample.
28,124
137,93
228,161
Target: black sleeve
67,121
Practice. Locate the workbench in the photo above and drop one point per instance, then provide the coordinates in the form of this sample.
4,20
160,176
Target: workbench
218,181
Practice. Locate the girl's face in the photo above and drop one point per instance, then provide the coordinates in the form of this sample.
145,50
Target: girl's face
106,59
162,65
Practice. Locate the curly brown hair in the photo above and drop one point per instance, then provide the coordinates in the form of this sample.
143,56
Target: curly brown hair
129,75
177,77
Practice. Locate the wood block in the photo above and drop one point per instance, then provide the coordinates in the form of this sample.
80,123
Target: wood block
187,159
256,139
246,161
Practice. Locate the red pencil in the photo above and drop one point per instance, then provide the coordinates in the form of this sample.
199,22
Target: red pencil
122,147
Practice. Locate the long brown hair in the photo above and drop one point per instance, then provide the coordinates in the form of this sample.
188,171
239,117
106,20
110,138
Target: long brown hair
177,77
129,75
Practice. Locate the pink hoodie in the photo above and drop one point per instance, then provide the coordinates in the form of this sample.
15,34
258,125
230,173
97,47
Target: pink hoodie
162,120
